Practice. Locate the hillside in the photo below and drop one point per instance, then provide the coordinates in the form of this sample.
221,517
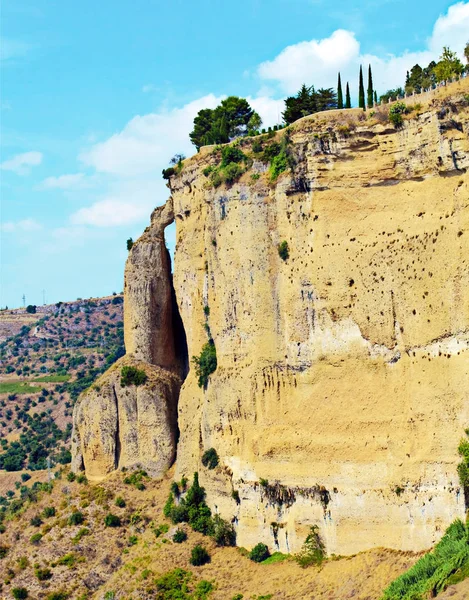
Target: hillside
46,360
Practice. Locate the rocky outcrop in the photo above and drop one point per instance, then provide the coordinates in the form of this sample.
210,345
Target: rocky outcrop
341,389
342,371
136,426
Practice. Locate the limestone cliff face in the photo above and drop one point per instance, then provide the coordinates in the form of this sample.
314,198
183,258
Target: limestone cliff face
343,371
114,426
341,391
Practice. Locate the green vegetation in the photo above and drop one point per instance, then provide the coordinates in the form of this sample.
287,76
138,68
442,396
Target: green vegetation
76,518
232,118
210,458
81,533
463,467
43,573
130,243
179,536
259,553
136,479
369,92
361,90
111,520
31,309
35,538
395,113
18,387
120,502
340,97
276,557
177,584
448,563
132,376
199,556
52,379
283,250
308,101
19,593
205,363
313,550
348,101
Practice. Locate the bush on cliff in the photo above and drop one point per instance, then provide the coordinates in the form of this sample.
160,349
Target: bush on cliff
205,363
210,458
132,376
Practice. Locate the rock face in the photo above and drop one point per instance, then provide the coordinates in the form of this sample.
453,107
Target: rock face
343,371
114,426
341,391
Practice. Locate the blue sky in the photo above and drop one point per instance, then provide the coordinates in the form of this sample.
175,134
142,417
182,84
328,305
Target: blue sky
97,96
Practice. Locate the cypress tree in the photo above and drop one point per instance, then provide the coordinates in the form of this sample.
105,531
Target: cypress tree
376,97
340,98
348,102
361,91
369,99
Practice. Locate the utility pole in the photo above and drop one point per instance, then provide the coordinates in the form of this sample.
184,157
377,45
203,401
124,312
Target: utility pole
44,297
24,301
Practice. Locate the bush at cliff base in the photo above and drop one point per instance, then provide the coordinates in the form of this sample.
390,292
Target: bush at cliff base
447,564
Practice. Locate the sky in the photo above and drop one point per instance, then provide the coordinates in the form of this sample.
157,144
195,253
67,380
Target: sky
96,97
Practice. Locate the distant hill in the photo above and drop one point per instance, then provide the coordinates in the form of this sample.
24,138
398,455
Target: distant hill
46,360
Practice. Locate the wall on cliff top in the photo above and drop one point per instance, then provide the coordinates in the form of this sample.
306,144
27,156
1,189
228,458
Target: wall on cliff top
342,371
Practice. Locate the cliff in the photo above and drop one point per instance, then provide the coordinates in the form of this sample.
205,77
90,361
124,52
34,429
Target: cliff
341,389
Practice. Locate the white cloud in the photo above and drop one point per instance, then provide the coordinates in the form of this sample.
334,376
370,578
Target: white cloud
269,109
318,61
25,225
147,142
64,182
21,163
128,202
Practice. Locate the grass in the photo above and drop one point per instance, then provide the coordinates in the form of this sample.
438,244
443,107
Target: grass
276,557
448,563
52,379
18,387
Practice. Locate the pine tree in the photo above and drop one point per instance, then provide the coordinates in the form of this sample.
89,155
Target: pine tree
369,95
361,91
348,102
340,98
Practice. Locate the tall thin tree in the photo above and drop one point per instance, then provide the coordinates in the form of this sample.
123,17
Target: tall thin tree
369,92
348,102
361,90
340,98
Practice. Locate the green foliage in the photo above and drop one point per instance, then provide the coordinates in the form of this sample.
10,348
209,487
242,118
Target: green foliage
210,458
133,540
313,550
431,573
463,467
130,243
308,101
136,479
259,553
57,596
348,101
199,556
223,532
449,66
132,376
35,538
340,97
81,533
160,529
232,118
205,363
111,520
168,173
36,521
283,250
76,518
361,90
395,113
18,388
31,309
179,536
231,154
19,593
43,573
68,560
120,502
276,557
369,93
231,173
174,585
5,549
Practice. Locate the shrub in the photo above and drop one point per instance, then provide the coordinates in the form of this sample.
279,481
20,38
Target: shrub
130,243
120,502
48,512
395,113
216,179
205,363
4,550
133,540
168,173
199,556
230,155
259,553
43,573
173,584
136,479
76,518
71,476
257,146
179,536
283,250
132,376
210,458
36,521
312,552
111,520
81,533
31,309
57,596
19,593
232,173
223,532
35,539
25,477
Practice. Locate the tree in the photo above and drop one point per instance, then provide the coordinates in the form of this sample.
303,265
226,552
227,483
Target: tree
369,94
448,66
466,53
232,118
308,101
361,90
340,99
348,102
130,243
31,309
